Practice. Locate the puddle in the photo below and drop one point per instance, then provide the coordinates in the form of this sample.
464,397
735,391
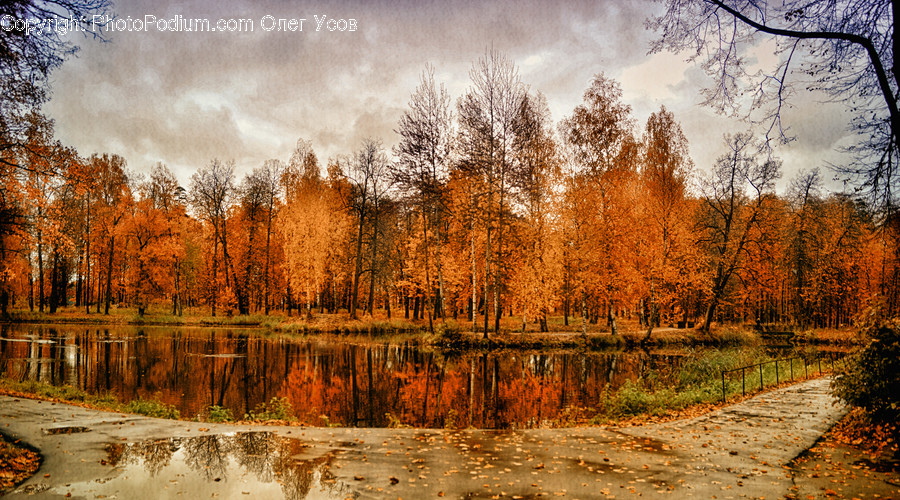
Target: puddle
654,445
258,464
71,429
885,465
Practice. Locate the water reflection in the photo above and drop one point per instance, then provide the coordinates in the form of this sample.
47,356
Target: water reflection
222,465
325,382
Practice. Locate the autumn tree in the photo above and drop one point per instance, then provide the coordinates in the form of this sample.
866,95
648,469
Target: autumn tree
733,200
270,180
488,115
296,177
759,290
113,197
537,276
170,199
156,247
424,151
250,225
841,270
211,192
603,156
67,257
315,227
804,198
146,230
665,239
42,160
367,176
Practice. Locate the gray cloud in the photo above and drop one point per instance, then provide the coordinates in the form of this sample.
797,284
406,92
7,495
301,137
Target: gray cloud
185,98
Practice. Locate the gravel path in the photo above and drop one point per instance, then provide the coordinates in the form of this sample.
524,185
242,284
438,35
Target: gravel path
741,451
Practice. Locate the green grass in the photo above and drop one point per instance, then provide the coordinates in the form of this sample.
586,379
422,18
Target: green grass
697,381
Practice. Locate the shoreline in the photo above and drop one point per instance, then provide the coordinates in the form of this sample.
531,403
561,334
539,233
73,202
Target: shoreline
451,335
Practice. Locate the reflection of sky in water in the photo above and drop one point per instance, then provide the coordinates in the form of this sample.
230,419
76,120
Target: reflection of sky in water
240,465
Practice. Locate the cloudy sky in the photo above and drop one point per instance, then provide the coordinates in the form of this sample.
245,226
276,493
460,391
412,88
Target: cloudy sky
184,98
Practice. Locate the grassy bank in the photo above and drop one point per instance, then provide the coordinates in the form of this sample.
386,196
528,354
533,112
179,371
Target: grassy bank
69,394
696,387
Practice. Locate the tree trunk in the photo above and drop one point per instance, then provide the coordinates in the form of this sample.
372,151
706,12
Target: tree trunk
40,257
372,265
354,291
87,253
54,283
437,256
487,277
613,328
499,258
79,282
99,282
583,314
112,245
427,286
240,291
710,314
244,303
177,308
474,317
268,253
30,285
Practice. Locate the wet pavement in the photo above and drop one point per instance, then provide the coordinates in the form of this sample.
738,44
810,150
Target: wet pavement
742,451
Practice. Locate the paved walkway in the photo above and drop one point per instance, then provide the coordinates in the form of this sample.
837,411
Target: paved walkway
737,452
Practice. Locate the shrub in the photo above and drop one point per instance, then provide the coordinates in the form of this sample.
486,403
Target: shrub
276,409
216,413
870,378
152,408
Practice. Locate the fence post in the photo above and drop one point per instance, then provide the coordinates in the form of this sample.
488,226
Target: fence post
760,377
792,369
743,383
723,386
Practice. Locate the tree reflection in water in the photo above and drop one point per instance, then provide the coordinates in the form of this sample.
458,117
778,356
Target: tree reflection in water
216,458
373,385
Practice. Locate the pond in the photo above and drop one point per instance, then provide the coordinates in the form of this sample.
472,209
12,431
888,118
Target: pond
326,382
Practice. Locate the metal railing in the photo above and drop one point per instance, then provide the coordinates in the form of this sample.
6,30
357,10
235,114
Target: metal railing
789,362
